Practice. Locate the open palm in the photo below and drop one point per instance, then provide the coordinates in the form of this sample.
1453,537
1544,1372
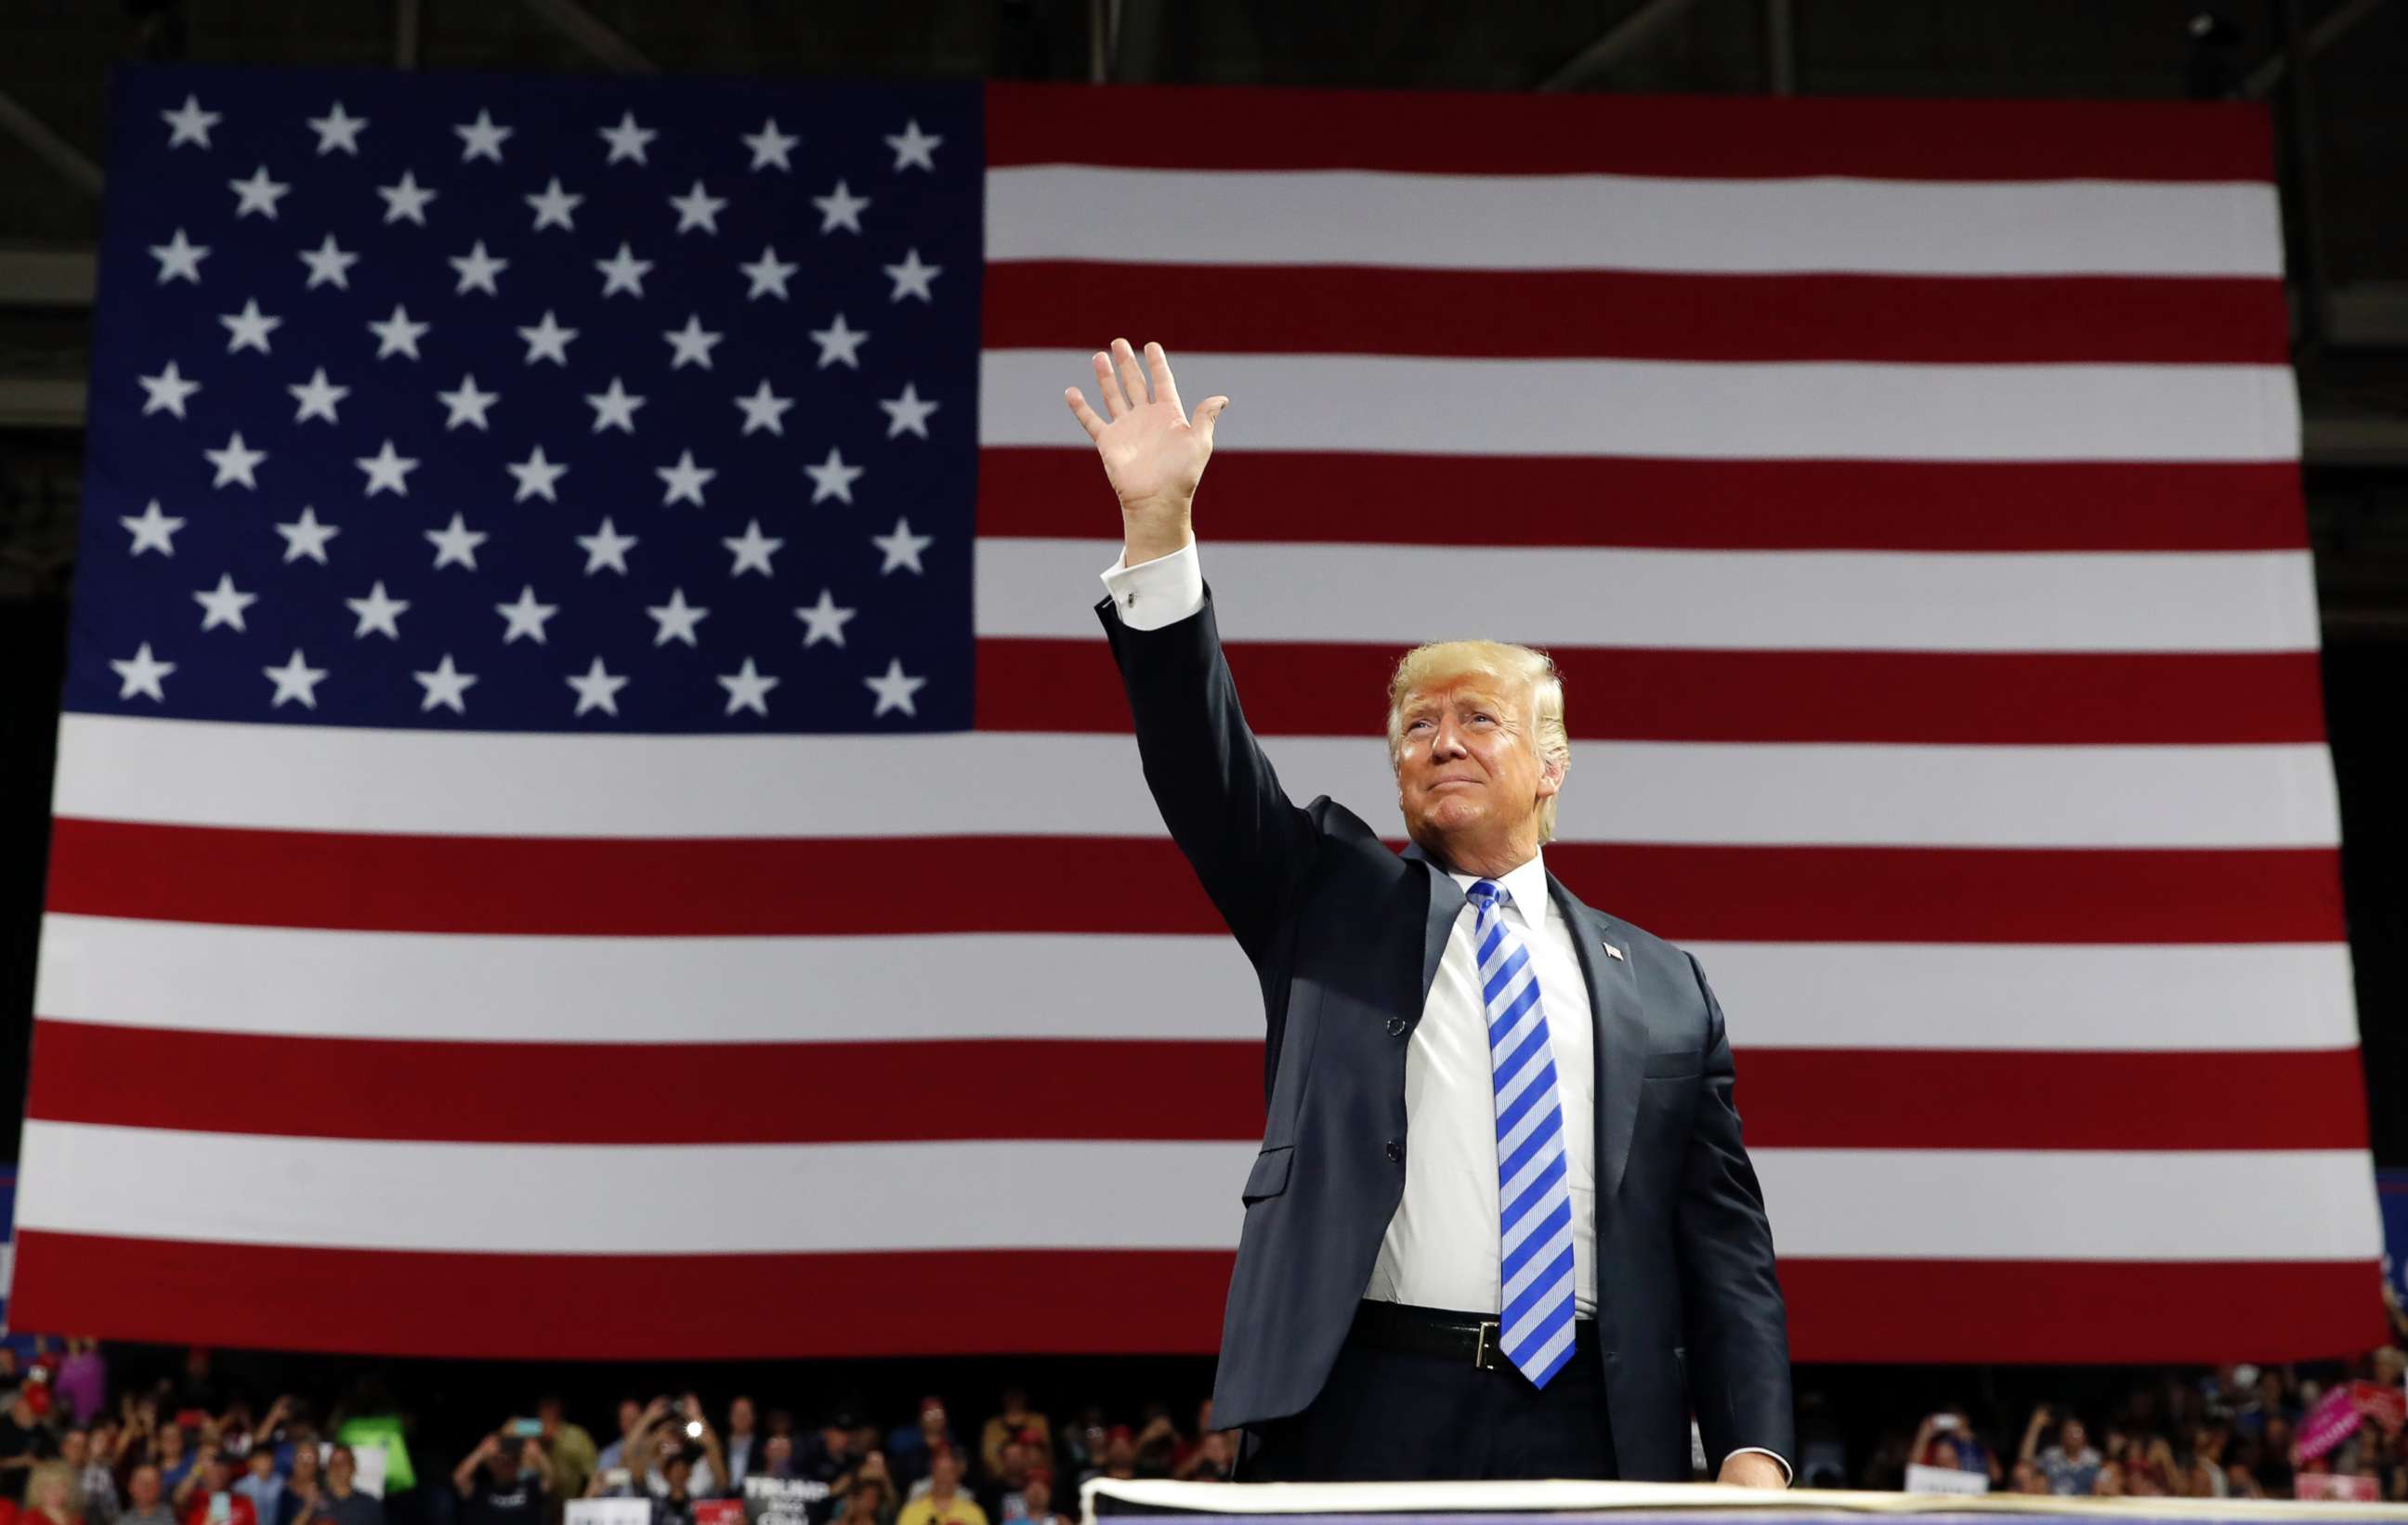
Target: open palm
1153,453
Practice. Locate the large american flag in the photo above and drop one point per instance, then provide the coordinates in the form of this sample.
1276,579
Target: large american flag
593,818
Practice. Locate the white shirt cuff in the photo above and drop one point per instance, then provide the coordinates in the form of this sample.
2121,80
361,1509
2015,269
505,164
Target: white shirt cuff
1162,591
1787,1475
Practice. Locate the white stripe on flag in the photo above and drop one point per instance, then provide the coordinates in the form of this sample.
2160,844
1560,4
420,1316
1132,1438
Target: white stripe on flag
1814,224
475,989
1414,406
1016,783
1703,600
2308,1204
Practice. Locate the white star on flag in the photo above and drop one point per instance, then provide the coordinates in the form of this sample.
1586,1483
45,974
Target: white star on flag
455,544
547,340
248,329
769,146
306,537
525,617
397,335
840,208
236,462
380,614
142,674
597,689
296,680
446,686
318,397
909,413
329,265
607,547
180,259
912,277
388,472
752,550
699,209
467,404
902,547
895,688
624,271
167,391
535,476
683,480
476,271
832,478
481,138
627,141
747,689
765,409
614,409
767,274
152,530
677,619
691,345
223,604
406,199
189,123
823,620
553,207
913,147
339,129
257,193
839,342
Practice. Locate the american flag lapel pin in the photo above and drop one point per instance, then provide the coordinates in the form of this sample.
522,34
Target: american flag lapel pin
1610,952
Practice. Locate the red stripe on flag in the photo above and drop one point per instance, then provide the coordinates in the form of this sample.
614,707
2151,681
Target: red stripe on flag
2021,1099
639,887
1097,1302
1430,500
1465,133
1640,315
2081,1312
570,1307
1162,1091
1914,698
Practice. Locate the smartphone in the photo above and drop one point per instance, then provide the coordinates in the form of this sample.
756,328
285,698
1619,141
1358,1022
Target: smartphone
221,1508
527,1429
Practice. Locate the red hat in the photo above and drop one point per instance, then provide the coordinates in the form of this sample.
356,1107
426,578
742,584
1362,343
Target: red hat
928,1403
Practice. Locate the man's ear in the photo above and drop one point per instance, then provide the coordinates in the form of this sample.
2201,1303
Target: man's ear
1552,772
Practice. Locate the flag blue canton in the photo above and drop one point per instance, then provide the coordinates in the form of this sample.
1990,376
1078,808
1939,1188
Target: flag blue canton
526,404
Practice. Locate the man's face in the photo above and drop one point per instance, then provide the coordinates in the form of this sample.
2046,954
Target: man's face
631,1412
945,1471
261,1462
1468,766
74,1446
219,1475
2075,1437
1013,1459
143,1487
739,1416
338,1470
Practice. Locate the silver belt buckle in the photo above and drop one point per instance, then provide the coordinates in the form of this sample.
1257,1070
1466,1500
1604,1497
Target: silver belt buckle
1480,1354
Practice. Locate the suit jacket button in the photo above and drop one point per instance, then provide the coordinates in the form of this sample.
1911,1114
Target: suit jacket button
1396,1151
1397,1027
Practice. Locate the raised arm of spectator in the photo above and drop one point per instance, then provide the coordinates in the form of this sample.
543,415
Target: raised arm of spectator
531,1458
2030,1451
463,1476
712,1449
193,1477
1916,1449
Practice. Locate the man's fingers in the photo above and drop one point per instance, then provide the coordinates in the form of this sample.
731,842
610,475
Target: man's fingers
1132,377
1207,416
1108,386
1157,369
1085,415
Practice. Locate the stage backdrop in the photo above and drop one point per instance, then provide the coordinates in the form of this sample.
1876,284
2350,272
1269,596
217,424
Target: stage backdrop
594,816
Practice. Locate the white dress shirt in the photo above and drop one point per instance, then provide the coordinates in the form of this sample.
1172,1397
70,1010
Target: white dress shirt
1444,1248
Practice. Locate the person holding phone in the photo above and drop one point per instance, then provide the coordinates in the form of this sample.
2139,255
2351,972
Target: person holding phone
208,1496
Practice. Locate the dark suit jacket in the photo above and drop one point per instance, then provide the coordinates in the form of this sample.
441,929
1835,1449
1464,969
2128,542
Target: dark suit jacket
1345,936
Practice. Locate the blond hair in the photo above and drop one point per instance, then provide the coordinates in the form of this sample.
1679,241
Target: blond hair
43,1477
1520,669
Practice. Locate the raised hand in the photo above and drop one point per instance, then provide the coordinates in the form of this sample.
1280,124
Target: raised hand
1153,454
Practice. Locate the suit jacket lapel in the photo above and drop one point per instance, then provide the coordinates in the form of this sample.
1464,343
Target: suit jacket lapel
1447,904
1621,1038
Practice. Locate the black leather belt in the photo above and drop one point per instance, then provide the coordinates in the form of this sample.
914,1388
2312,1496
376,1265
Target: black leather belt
1472,1338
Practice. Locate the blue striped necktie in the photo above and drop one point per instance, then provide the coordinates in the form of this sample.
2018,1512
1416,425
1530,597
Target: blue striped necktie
1535,1200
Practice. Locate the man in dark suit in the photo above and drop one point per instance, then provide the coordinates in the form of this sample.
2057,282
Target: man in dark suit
1502,1224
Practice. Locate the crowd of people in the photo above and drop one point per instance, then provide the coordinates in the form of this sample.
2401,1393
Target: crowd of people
2228,1432
184,1450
